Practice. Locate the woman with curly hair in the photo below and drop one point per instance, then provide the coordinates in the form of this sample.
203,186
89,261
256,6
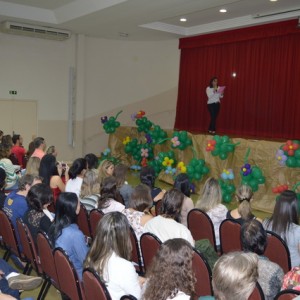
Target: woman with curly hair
110,256
171,274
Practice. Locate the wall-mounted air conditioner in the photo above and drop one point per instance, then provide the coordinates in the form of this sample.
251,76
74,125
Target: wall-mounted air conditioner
35,31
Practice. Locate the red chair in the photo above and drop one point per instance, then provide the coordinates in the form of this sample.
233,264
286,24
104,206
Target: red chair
95,217
150,244
94,288
158,207
278,252
68,279
136,254
257,293
287,294
29,249
10,241
202,272
45,251
83,221
201,226
230,236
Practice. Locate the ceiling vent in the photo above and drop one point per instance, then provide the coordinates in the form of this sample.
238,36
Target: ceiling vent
35,31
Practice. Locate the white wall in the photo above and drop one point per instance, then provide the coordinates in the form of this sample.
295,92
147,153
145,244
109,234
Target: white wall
111,75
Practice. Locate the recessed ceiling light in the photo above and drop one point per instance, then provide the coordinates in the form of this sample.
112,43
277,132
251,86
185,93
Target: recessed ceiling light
183,20
273,0
223,10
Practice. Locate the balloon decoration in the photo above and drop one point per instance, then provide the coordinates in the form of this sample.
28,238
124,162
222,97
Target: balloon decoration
106,154
157,135
180,140
126,140
220,146
252,176
196,169
227,186
280,188
110,125
156,165
289,154
181,167
143,124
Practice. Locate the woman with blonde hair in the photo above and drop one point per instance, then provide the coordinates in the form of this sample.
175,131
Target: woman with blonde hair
234,276
210,202
171,274
90,190
33,166
110,256
106,169
243,212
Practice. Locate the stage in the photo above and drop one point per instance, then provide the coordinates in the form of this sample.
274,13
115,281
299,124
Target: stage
262,154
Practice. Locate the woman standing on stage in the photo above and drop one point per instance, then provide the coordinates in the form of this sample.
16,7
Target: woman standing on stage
213,103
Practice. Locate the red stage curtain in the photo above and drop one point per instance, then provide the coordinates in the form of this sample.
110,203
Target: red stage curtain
263,100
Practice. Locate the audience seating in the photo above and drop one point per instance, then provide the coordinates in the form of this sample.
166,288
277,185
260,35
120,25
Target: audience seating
202,272
230,236
136,254
10,240
257,293
28,246
150,244
287,294
278,252
68,279
201,226
158,207
45,251
94,288
95,217
83,221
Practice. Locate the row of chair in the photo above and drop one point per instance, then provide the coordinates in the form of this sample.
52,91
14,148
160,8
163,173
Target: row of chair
201,227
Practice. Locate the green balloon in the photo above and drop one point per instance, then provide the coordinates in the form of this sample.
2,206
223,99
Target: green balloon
227,198
223,155
297,153
197,176
256,172
291,162
230,188
261,180
230,148
205,170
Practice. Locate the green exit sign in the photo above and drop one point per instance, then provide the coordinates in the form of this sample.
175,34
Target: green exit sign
13,92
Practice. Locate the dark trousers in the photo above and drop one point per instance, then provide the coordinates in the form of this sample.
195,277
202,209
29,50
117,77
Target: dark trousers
213,109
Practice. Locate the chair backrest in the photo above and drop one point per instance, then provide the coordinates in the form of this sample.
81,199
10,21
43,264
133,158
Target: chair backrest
202,272
45,251
257,293
230,236
83,221
158,207
9,235
201,226
68,279
287,294
94,288
94,218
278,252
150,244
28,246
128,297
136,254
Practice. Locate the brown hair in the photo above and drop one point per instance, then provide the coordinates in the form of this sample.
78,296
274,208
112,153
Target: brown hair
141,199
120,174
244,195
112,235
33,166
171,271
172,204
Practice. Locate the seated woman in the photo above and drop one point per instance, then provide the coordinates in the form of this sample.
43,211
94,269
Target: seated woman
90,190
182,183
285,222
12,174
64,231
51,172
108,195
123,187
171,273
2,187
52,150
147,176
110,256
167,225
76,173
37,216
234,276
210,202
138,213
105,169
92,162
243,213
